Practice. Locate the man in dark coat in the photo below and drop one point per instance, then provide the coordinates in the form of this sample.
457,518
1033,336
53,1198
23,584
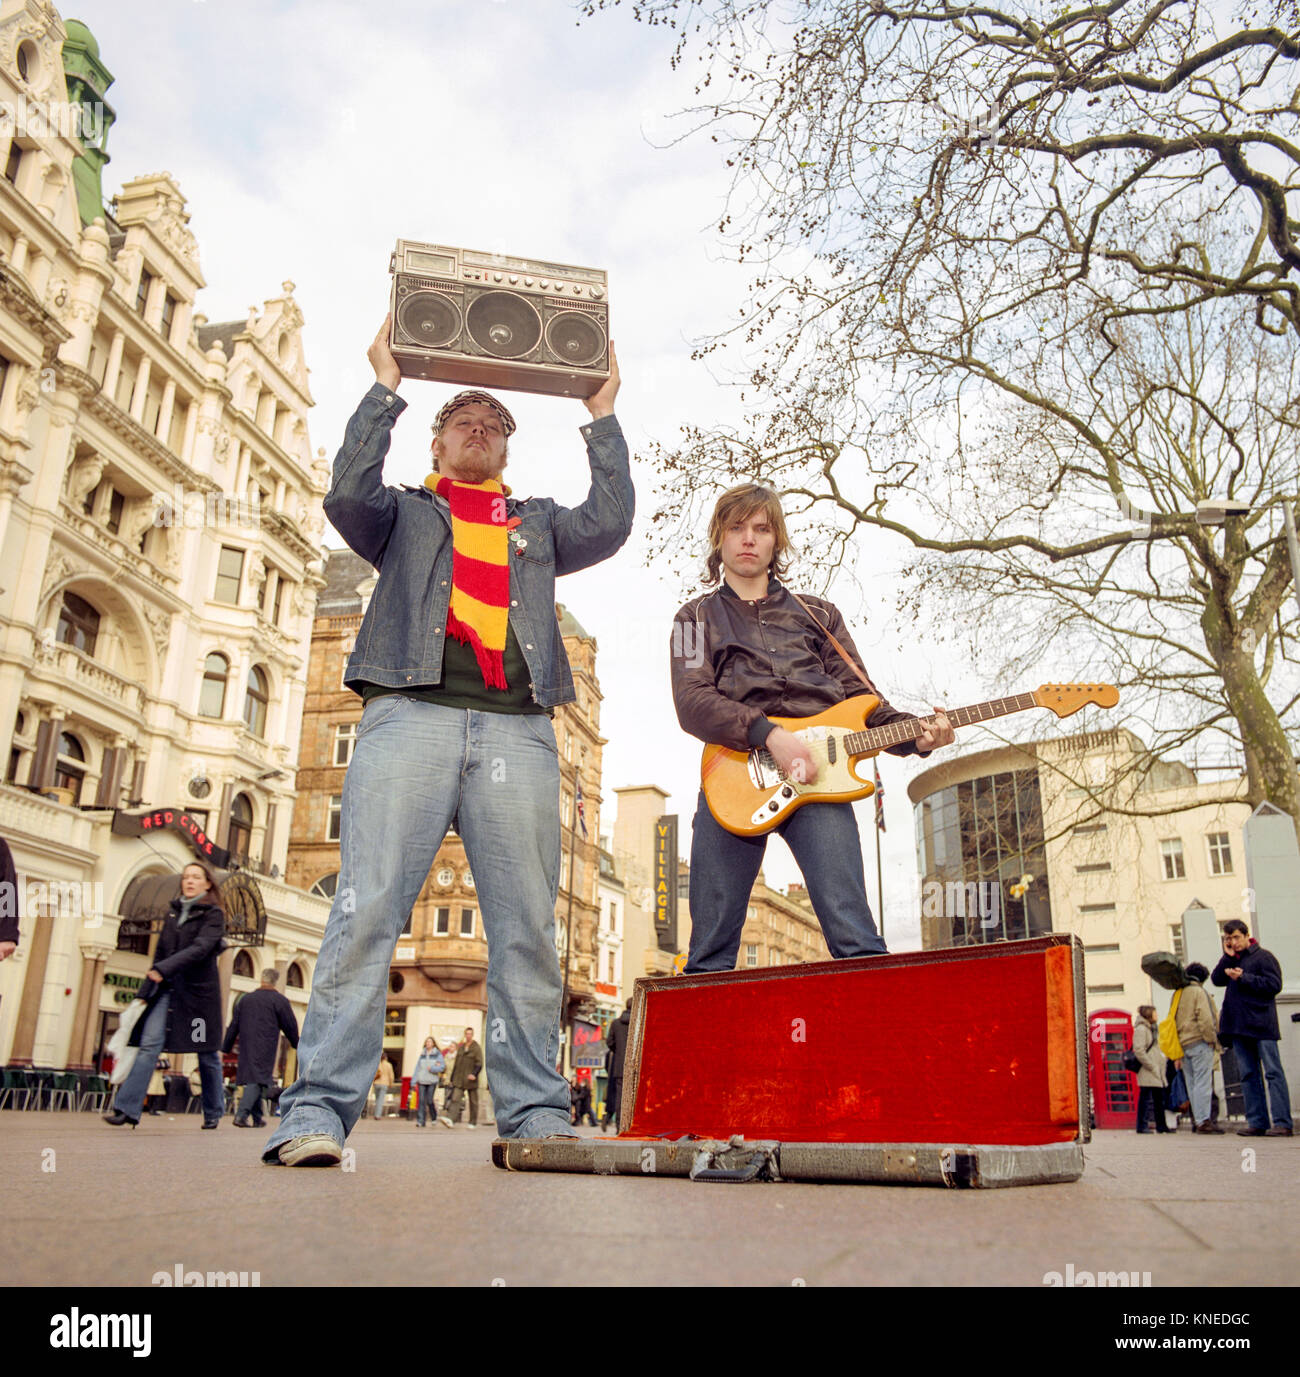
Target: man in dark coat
258,1020
8,901
1248,1024
616,1041
184,994
464,1079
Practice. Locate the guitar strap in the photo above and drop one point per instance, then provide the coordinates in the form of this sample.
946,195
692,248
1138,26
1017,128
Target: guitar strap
844,655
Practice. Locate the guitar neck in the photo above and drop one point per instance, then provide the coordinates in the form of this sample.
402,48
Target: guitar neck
880,738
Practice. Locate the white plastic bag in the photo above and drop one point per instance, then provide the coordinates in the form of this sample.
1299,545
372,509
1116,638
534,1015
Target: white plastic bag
124,1056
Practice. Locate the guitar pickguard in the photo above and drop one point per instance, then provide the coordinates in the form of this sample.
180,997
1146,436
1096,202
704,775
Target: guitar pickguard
835,776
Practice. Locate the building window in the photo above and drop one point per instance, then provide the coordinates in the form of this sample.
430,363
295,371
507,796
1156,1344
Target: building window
441,922
1220,853
1089,828
230,570
327,885
1179,941
609,975
142,292
1092,869
243,966
255,702
241,827
14,162
115,504
293,977
566,809
467,922
279,598
751,954
613,916
1171,855
212,696
334,822
168,313
564,871
78,624
345,739
70,767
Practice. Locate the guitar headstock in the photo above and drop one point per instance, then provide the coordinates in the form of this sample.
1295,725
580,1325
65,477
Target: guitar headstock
1065,699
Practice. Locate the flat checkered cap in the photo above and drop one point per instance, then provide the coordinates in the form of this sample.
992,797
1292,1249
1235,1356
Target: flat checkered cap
469,399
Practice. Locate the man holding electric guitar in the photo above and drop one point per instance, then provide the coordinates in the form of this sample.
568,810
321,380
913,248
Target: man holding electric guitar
747,650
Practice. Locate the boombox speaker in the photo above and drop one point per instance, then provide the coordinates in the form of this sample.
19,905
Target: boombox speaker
493,321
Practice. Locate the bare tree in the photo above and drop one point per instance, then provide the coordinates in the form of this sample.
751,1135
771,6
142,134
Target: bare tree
1027,291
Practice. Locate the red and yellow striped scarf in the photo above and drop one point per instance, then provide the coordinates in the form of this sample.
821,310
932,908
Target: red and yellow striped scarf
480,571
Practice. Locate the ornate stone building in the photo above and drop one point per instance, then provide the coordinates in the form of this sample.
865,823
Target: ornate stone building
160,521
438,983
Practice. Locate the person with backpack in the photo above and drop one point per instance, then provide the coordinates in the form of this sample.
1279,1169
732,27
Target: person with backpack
1197,1028
1151,1073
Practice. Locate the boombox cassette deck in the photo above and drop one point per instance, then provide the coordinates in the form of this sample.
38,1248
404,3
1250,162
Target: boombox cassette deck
490,320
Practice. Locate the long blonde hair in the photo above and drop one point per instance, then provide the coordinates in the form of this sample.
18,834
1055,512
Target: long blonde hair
738,504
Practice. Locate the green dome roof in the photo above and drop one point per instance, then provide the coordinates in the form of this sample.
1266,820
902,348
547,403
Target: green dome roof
80,36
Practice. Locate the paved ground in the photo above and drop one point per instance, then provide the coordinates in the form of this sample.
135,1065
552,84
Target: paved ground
83,1201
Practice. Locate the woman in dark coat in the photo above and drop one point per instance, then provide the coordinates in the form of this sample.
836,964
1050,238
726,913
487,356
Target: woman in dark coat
184,994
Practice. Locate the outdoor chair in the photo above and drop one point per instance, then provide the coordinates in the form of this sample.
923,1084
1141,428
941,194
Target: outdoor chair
63,1090
15,1087
94,1092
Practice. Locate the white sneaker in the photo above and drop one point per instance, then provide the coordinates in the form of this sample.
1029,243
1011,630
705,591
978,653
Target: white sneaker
311,1150
471,1125
443,1119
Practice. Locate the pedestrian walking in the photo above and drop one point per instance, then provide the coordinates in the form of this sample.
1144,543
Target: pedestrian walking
383,1083
580,1094
1151,1076
464,1081
257,1022
429,1066
1252,979
616,1041
8,901
183,990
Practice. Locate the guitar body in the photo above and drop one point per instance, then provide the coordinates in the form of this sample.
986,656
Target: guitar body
746,792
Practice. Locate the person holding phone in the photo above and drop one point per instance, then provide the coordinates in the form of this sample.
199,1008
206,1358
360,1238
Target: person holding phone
1252,979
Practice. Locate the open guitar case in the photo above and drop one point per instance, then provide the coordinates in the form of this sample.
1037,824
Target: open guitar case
962,1067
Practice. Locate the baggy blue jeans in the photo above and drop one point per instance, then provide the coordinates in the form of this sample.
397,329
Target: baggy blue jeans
1259,1064
416,767
824,839
131,1093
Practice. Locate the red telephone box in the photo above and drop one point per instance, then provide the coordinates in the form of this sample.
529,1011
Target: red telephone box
1114,1090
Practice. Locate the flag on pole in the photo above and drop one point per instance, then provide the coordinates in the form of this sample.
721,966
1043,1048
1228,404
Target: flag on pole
880,797
579,809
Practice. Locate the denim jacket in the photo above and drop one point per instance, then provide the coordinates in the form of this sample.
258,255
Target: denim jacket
406,534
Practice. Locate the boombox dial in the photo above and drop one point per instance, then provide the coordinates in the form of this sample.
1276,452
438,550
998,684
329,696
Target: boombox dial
491,320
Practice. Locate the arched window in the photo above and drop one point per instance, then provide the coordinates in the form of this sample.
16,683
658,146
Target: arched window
212,697
70,767
78,624
241,827
326,885
293,978
255,701
244,966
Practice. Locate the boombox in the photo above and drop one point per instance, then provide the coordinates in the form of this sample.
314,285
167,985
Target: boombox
493,321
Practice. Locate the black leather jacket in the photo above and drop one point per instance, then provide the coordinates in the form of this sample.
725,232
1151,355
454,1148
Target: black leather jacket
734,662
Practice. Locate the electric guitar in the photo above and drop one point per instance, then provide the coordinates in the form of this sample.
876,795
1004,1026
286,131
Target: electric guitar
749,794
